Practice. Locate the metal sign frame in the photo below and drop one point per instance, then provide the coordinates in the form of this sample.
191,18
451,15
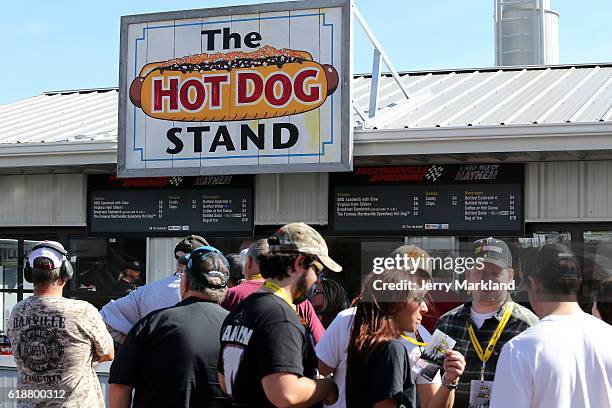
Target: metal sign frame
345,78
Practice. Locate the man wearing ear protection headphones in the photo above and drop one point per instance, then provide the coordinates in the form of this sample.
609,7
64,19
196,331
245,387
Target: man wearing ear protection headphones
56,340
120,315
170,357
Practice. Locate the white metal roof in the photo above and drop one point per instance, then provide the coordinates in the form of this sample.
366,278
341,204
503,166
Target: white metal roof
551,108
69,116
491,97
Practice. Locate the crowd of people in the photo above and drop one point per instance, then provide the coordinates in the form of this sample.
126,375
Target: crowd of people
271,327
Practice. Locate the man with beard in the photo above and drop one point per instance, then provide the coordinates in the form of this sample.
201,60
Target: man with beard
267,354
254,280
483,326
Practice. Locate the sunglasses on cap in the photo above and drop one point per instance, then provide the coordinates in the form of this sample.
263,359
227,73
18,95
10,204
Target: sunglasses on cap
194,265
318,267
202,253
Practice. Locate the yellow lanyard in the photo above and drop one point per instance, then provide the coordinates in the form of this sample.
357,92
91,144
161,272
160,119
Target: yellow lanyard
278,291
255,277
413,341
486,355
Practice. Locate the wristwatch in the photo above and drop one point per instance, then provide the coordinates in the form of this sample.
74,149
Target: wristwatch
450,386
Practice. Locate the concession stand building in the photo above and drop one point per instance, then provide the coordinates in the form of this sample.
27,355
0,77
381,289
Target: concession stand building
545,130
230,123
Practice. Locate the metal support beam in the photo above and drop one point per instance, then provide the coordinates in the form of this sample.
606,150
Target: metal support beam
498,34
378,46
374,84
361,115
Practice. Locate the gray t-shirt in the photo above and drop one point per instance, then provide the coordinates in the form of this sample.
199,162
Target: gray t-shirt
55,341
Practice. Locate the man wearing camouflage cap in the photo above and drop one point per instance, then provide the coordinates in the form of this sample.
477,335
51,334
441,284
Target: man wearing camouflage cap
267,354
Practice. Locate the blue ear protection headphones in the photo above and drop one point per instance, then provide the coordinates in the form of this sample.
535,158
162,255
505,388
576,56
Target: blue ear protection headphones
194,265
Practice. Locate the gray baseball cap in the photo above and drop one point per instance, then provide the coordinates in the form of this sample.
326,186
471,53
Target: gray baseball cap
494,251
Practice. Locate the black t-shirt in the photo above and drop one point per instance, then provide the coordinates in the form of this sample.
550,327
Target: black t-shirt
262,336
385,374
170,357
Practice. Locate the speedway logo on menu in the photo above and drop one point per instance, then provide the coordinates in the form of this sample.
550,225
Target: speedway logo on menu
254,89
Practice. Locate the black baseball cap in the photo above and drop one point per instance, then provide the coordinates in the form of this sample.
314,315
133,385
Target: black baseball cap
134,265
545,265
189,243
216,266
494,251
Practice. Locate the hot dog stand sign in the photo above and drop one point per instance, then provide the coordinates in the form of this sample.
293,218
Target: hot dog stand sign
251,89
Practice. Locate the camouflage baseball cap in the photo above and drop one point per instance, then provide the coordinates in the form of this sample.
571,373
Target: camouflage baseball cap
301,238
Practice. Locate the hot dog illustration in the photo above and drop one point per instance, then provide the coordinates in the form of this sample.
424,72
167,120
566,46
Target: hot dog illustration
266,83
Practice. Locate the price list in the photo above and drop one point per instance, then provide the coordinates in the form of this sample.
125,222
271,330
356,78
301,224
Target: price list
217,210
425,208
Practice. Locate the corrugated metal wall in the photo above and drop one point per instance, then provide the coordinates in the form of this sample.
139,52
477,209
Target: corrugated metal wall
42,199
568,191
284,198
159,258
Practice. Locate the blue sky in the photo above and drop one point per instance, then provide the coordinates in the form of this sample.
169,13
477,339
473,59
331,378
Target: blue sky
62,44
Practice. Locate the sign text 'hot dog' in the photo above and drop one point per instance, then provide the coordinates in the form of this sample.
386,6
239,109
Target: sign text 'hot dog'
267,83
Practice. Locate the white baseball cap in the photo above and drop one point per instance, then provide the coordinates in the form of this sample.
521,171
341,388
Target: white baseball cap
55,256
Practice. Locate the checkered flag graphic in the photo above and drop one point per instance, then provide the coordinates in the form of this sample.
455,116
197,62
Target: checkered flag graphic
176,181
434,173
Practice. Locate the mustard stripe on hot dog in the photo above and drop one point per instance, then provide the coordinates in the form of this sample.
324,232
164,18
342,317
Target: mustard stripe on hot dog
234,86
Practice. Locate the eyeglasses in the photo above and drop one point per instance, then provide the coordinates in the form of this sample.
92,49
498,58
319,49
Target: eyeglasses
313,291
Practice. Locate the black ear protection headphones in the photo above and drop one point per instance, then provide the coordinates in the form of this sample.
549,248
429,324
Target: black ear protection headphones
66,270
195,258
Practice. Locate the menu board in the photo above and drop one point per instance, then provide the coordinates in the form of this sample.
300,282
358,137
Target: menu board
428,200
170,206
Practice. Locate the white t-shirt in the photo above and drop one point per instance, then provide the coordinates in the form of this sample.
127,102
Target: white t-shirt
564,361
479,318
332,349
121,314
